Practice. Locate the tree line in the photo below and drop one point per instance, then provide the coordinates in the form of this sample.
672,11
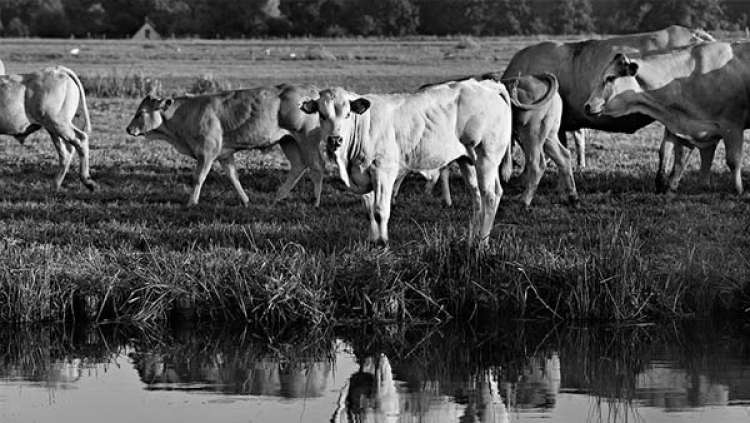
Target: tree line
260,18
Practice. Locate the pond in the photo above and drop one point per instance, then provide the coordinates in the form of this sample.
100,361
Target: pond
681,372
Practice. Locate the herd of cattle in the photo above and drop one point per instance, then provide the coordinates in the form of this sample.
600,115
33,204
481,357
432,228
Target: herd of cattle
697,87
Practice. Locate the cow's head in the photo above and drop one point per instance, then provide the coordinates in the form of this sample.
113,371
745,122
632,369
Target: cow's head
149,115
616,78
335,108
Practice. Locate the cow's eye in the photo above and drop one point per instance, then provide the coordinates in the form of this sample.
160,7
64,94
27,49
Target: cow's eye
348,115
610,78
322,117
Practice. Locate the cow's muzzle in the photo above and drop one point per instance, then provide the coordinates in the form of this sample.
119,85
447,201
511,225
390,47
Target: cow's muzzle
592,109
332,144
131,130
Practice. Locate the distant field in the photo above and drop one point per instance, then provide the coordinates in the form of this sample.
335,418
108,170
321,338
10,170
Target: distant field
360,64
627,253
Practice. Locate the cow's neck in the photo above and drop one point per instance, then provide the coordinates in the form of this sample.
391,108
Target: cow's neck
698,132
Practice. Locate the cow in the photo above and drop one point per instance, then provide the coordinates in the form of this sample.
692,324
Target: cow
537,110
374,138
216,126
48,99
699,93
575,64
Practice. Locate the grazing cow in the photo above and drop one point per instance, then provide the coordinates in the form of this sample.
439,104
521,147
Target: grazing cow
375,138
48,99
699,93
215,126
576,64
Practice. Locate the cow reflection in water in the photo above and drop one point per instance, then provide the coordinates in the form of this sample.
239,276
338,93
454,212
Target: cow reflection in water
372,395
232,375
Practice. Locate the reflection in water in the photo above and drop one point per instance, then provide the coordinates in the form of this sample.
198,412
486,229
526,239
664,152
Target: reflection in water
386,374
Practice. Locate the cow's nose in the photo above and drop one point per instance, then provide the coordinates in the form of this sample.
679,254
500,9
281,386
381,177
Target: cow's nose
130,130
334,142
587,108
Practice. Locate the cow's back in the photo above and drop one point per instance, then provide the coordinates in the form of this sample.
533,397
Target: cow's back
248,118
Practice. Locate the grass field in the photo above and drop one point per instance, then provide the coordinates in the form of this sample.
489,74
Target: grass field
132,251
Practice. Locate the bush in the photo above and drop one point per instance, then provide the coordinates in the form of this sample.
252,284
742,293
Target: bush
206,84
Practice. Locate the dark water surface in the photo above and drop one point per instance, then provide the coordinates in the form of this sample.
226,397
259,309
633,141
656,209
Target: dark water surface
682,372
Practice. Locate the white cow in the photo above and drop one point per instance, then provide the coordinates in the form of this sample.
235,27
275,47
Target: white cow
375,138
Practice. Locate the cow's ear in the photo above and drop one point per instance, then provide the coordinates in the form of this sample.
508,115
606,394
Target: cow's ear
631,69
359,105
166,103
309,106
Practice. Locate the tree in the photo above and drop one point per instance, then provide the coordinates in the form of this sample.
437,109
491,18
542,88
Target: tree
16,28
573,17
385,17
657,14
50,20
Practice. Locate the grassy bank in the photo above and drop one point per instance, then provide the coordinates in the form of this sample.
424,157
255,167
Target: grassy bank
132,252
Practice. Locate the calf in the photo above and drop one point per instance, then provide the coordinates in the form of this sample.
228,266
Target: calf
215,126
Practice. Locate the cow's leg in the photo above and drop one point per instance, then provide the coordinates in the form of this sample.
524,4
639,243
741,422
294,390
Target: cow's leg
561,156
397,186
64,155
681,156
665,151
733,145
199,177
383,190
532,146
80,141
312,158
297,167
580,139
707,159
469,172
231,169
490,191
445,186
369,202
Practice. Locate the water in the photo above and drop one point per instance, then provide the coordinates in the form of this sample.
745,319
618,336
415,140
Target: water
687,372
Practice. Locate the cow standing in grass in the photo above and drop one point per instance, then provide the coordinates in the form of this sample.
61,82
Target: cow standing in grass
375,138
699,93
576,64
48,99
215,126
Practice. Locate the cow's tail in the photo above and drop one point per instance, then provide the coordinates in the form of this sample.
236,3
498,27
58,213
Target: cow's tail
506,166
86,118
552,87
703,36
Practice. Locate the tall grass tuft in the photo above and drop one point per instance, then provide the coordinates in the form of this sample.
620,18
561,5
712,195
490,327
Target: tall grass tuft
115,85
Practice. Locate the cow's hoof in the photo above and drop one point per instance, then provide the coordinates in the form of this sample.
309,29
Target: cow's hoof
661,185
91,185
381,243
191,204
574,202
670,194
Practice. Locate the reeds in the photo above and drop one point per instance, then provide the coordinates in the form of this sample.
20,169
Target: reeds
606,278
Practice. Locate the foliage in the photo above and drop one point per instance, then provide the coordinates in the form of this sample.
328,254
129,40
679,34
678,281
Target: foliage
573,17
707,14
258,18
